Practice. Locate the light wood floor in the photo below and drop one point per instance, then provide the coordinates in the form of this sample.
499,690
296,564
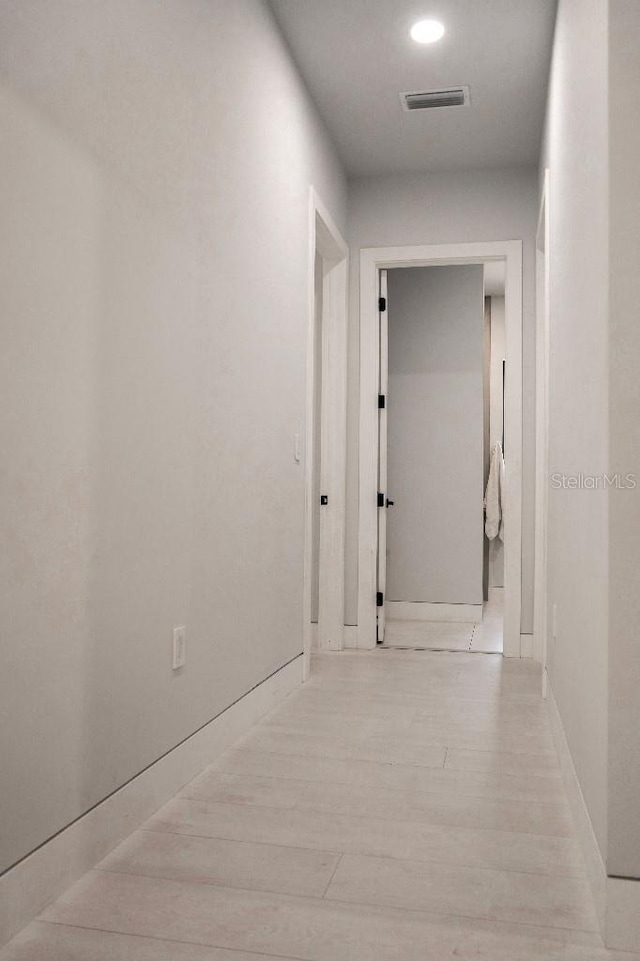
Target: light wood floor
401,806
484,636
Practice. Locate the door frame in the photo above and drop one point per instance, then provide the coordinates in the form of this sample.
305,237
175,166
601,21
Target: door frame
383,442
326,239
372,260
540,612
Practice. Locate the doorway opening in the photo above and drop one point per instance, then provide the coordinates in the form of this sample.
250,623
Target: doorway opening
429,578
440,443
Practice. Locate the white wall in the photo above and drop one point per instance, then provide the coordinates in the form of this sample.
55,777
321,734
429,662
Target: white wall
445,208
154,341
496,391
435,534
624,440
576,154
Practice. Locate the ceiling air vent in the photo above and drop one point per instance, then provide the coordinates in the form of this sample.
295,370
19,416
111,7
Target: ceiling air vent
429,99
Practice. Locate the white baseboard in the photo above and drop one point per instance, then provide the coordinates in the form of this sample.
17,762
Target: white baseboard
594,864
27,888
426,611
537,647
617,900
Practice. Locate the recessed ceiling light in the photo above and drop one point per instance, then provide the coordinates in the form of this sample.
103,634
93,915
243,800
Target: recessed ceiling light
427,31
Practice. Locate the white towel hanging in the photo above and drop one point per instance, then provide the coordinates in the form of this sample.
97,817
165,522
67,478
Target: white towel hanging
494,496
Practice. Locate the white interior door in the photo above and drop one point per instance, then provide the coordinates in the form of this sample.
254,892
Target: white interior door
383,406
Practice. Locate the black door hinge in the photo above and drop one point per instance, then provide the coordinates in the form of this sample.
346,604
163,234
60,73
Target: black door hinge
382,304
380,499
324,499
382,401
379,599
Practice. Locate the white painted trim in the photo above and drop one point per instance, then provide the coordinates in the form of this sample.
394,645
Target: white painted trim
350,636
325,238
526,645
27,888
617,900
383,459
581,821
540,626
426,611
372,260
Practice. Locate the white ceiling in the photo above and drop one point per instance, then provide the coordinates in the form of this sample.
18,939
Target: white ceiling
356,57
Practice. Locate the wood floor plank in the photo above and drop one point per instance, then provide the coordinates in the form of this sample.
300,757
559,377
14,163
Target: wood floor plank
43,941
390,750
501,763
391,704
420,733
369,835
422,719
403,777
239,789
413,686
551,819
233,862
468,892
305,928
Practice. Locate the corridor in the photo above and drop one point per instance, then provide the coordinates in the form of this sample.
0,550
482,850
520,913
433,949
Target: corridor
400,806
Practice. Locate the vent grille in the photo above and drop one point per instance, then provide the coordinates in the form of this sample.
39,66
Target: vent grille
430,99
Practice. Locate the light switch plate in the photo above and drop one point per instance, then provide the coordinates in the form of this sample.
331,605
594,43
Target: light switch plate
179,647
